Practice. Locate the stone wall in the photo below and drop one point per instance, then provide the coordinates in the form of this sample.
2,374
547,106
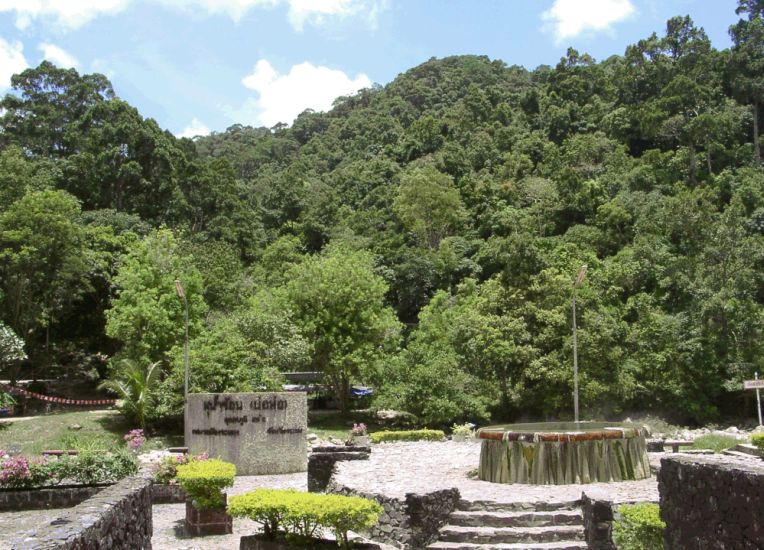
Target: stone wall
167,493
711,502
598,523
410,523
322,460
117,518
14,500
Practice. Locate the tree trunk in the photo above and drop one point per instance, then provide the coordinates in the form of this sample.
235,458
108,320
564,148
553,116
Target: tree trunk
756,149
708,159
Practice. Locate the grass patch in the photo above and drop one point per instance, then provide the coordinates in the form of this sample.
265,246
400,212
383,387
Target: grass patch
715,442
100,430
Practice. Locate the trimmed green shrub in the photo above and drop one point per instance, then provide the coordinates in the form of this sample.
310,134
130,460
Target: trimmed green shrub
300,517
204,481
758,440
639,528
715,442
408,435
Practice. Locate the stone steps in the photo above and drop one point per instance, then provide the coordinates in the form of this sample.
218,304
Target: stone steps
533,506
490,535
486,525
515,519
748,449
564,545
738,454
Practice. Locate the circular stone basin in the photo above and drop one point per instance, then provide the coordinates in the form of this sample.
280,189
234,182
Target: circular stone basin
558,453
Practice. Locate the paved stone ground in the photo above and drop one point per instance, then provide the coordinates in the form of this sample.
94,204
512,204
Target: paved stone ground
13,524
395,469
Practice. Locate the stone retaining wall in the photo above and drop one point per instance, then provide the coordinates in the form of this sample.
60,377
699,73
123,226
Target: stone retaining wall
167,493
322,460
711,502
410,523
47,497
117,518
598,523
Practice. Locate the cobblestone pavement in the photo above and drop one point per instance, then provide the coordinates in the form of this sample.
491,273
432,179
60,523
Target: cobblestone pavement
395,469
13,524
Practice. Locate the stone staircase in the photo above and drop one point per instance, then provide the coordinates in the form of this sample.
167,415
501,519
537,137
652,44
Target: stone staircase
485,525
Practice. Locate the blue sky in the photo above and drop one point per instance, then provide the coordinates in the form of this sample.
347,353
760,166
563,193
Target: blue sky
202,65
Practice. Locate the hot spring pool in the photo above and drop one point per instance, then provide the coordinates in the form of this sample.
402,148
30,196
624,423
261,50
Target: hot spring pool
557,453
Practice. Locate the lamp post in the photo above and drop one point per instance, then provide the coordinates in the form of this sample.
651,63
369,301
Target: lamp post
182,295
578,281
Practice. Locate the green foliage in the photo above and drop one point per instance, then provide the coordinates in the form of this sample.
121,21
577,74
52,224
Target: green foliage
715,442
147,315
758,441
204,481
304,515
97,466
407,435
639,527
338,302
134,383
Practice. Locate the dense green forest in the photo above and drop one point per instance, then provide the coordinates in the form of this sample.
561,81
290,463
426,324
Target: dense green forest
421,237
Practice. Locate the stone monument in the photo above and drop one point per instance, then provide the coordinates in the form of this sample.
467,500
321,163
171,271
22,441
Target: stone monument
261,433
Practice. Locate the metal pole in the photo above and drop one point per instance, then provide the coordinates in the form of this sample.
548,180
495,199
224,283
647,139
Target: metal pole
758,398
575,360
185,353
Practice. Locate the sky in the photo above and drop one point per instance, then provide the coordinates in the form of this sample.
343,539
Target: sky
197,66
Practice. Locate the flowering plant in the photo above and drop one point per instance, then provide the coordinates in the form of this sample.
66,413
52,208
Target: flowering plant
135,439
358,429
14,472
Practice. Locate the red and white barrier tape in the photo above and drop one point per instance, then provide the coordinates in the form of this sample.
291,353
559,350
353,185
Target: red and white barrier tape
61,400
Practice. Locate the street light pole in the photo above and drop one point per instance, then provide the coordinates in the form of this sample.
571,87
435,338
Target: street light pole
182,295
579,280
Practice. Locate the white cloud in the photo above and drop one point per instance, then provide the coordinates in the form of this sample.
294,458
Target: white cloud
317,12
11,61
281,97
196,128
57,56
69,14
570,18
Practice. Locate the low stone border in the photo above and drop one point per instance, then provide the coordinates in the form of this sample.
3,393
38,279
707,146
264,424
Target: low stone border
167,493
59,496
413,522
118,517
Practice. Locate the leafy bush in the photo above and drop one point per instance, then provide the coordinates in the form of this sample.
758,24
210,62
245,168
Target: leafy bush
715,442
301,516
408,435
205,480
467,429
639,527
95,466
167,469
758,440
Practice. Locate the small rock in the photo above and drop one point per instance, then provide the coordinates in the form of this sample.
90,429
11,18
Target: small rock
75,427
312,437
732,430
335,441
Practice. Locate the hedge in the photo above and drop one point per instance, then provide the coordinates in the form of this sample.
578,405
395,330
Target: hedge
758,440
302,516
409,435
204,481
639,527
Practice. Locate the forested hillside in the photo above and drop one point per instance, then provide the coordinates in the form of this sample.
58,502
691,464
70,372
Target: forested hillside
421,237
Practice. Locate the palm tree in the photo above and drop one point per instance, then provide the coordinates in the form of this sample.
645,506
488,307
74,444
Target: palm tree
133,384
